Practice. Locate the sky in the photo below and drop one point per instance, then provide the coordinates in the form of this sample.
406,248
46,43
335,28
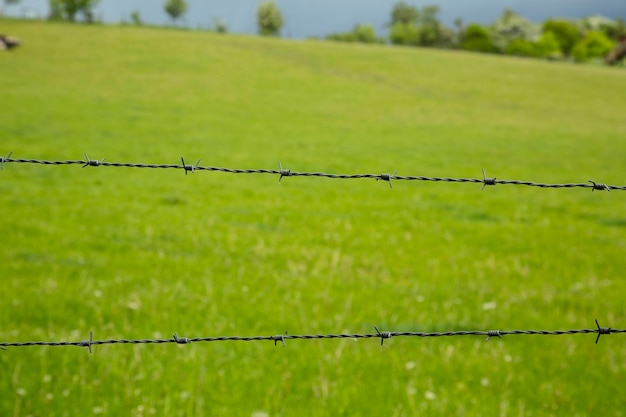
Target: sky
305,18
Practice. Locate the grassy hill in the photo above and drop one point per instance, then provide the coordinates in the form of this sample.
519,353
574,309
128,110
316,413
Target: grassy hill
139,253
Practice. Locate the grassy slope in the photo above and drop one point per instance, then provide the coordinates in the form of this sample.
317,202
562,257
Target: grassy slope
133,253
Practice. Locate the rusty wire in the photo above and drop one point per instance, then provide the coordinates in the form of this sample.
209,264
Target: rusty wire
282,173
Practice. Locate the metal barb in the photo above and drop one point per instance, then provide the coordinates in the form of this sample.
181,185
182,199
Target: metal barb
493,333
188,168
3,160
88,343
487,181
387,177
383,335
181,340
92,162
283,172
602,330
599,186
280,337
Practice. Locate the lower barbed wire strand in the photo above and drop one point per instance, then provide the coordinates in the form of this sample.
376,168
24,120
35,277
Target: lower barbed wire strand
182,340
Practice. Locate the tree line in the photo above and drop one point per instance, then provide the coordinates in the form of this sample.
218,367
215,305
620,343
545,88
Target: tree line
510,34
412,26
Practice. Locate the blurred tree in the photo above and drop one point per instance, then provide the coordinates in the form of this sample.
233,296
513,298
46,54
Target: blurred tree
430,27
404,13
219,26
341,37
476,38
56,10
521,47
510,26
566,33
418,27
68,9
447,38
620,29
135,17
460,27
365,34
458,24
596,22
269,19
404,34
360,33
175,8
595,44
547,46
614,29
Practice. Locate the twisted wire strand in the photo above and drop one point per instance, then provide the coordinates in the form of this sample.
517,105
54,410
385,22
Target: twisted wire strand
282,338
288,173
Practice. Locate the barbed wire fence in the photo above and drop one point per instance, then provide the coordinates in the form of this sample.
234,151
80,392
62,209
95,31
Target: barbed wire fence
382,335
282,173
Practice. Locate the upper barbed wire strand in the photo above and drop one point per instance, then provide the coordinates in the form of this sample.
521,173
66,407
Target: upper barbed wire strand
288,173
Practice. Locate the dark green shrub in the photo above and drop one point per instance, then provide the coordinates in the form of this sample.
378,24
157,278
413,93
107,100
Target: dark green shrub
565,32
269,18
341,37
548,46
594,45
522,47
404,34
364,34
476,38
360,33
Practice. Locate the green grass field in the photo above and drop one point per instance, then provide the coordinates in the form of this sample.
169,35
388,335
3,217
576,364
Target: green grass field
139,253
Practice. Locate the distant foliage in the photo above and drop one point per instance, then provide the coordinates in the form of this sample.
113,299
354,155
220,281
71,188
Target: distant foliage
616,31
269,19
135,17
406,34
596,23
55,10
509,27
476,38
613,29
219,26
175,8
595,44
360,34
521,47
69,9
548,46
565,32
429,25
418,27
545,47
404,13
